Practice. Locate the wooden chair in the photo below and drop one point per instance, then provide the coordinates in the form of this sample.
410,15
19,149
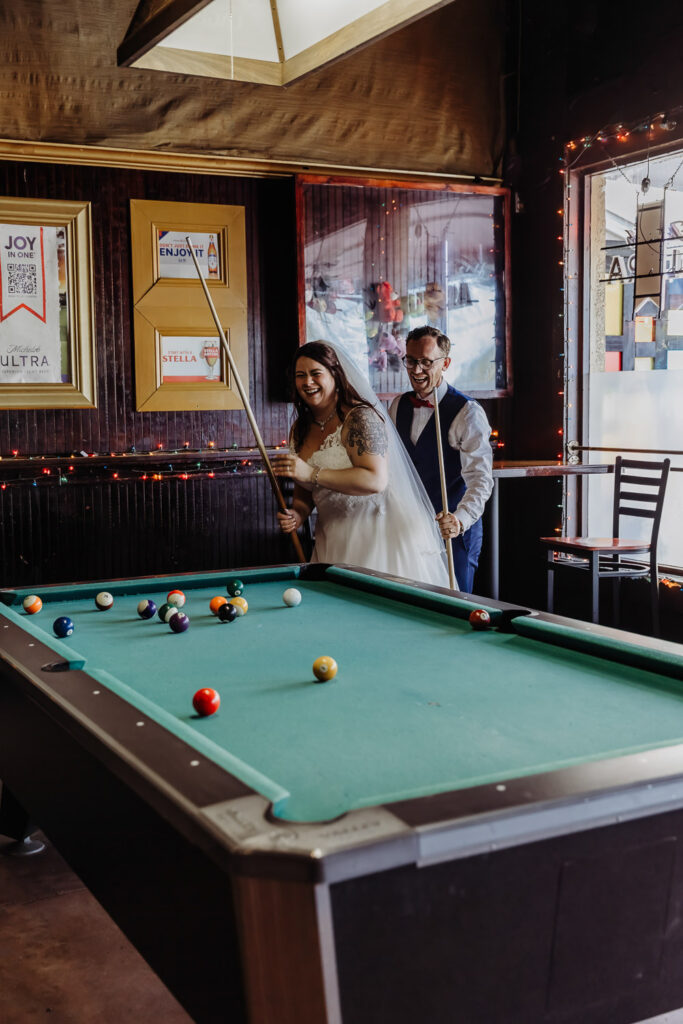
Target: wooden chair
612,557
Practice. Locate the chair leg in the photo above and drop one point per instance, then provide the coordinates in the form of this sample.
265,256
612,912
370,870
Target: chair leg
550,599
595,587
616,602
654,602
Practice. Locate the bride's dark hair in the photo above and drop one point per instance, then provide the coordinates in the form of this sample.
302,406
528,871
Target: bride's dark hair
346,394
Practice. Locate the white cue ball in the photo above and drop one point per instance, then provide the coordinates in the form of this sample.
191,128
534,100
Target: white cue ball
292,597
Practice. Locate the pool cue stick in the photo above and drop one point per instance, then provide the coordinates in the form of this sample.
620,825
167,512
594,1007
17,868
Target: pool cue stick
444,491
245,402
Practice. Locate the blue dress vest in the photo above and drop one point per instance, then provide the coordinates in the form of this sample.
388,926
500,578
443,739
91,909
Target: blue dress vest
425,455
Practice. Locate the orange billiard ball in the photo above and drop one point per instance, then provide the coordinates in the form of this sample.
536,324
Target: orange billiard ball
176,598
216,602
324,668
32,604
480,619
206,701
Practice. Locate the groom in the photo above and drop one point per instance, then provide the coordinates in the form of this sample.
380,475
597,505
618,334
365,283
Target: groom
468,458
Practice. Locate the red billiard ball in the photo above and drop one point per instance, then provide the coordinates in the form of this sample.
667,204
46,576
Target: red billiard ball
480,619
206,701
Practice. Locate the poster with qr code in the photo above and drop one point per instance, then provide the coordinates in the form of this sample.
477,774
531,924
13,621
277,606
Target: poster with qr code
30,320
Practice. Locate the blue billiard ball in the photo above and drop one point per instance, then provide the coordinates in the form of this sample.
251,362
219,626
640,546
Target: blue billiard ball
147,609
179,622
63,626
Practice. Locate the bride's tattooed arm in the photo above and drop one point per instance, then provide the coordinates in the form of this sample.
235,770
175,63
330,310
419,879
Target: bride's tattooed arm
366,431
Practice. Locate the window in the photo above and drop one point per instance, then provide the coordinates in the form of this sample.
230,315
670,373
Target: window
632,359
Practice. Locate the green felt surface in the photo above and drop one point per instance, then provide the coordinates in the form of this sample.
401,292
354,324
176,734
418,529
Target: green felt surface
422,703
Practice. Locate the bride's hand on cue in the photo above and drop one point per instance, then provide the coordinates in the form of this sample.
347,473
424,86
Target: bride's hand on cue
449,525
289,521
286,464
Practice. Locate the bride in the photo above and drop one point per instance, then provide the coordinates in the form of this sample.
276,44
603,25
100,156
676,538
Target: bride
348,461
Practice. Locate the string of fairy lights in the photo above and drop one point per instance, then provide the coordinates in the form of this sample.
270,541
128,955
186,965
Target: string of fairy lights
181,464
648,133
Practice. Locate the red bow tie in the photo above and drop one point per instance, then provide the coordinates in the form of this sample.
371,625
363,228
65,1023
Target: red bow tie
417,402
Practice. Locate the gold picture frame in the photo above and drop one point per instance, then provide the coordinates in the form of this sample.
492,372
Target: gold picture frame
167,307
77,319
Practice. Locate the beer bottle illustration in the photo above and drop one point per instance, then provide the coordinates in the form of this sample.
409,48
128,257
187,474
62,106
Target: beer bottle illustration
212,256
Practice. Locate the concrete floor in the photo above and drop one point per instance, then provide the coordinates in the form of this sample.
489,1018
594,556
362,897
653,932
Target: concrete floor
63,959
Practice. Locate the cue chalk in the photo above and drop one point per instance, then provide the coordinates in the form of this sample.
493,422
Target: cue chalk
245,401
444,492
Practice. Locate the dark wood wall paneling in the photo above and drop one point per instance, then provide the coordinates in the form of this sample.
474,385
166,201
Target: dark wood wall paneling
99,529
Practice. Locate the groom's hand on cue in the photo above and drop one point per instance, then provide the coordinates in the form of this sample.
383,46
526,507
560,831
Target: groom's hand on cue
449,525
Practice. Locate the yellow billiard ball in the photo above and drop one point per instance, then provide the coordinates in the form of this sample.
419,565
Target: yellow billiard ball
240,604
324,668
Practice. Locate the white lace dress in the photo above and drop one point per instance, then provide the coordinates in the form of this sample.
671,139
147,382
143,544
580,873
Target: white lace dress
371,531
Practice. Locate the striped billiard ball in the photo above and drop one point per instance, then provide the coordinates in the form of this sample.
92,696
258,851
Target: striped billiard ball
104,600
166,612
32,604
147,609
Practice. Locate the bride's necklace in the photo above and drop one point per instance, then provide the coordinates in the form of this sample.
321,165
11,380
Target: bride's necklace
322,424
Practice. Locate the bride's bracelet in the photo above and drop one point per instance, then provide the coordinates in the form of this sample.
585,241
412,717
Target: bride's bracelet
314,478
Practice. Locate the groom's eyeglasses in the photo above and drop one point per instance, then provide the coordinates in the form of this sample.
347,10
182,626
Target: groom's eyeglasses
426,364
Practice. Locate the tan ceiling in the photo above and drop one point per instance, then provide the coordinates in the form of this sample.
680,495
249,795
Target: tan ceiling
426,98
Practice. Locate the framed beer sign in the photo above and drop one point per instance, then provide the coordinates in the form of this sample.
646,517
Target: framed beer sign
47,336
178,360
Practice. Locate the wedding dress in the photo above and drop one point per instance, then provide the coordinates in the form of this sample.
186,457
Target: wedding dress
374,531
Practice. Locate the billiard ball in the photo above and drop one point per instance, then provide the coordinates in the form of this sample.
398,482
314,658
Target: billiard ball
32,604
179,622
147,609
324,668
227,612
292,597
166,612
240,605
480,619
235,588
63,626
176,598
206,701
104,600
217,602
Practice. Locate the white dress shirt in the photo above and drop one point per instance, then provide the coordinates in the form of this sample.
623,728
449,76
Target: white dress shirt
469,433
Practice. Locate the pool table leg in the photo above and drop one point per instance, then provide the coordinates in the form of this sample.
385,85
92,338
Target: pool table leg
16,823
289,962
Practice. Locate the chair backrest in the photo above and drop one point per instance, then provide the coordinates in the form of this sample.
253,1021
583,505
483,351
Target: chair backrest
650,478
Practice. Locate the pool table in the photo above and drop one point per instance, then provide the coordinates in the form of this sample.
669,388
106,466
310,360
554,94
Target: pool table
462,826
